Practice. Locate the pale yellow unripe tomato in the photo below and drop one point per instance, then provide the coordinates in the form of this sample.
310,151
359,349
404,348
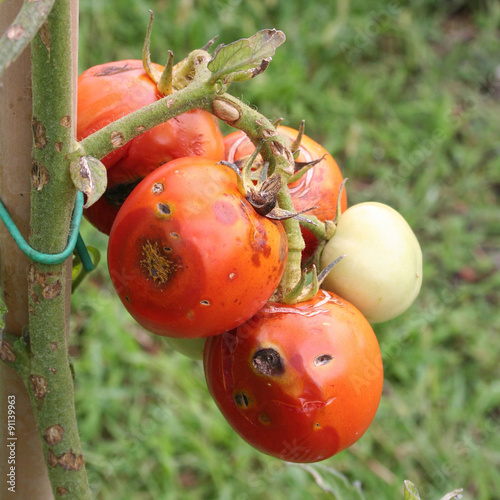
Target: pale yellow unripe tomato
381,273
192,348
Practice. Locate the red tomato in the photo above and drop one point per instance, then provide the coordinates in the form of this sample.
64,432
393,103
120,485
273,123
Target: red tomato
298,382
319,187
110,91
189,256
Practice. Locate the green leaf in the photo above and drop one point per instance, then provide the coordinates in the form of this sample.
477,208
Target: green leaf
78,271
246,58
411,492
89,176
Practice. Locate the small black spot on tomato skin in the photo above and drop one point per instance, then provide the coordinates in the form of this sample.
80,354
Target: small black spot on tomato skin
164,209
322,359
241,399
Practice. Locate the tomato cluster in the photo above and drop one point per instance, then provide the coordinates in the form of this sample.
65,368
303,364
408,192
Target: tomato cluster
112,90
194,261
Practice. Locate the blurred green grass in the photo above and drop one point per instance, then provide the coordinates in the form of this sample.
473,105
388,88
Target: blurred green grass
406,96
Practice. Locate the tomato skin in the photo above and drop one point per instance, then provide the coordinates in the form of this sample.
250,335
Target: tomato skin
112,90
109,91
192,348
319,187
381,273
308,412
189,256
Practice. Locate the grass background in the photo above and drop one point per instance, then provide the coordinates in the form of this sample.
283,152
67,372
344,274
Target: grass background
406,96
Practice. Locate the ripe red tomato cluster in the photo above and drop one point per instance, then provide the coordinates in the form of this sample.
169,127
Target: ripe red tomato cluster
192,260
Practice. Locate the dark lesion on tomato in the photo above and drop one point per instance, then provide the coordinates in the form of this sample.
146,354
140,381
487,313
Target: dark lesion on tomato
268,362
113,70
241,399
119,193
164,209
322,359
157,266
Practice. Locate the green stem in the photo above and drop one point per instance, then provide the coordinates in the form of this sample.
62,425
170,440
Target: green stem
50,383
118,133
276,151
316,226
20,33
185,70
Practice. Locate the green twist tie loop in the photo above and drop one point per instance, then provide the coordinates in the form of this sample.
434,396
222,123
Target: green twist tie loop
82,251
47,258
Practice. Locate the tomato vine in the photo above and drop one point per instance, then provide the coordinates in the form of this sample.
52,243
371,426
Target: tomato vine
46,371
62,166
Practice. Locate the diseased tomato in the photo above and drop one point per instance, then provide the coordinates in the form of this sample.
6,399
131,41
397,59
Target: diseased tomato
110,91
318,188
381,273
298,382
188,254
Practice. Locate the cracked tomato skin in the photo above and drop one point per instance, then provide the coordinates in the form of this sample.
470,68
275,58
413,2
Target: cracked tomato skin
112,90
318,188
188,254
299,382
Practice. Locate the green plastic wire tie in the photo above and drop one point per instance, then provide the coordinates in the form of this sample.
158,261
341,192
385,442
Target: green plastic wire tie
81,250
56,258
